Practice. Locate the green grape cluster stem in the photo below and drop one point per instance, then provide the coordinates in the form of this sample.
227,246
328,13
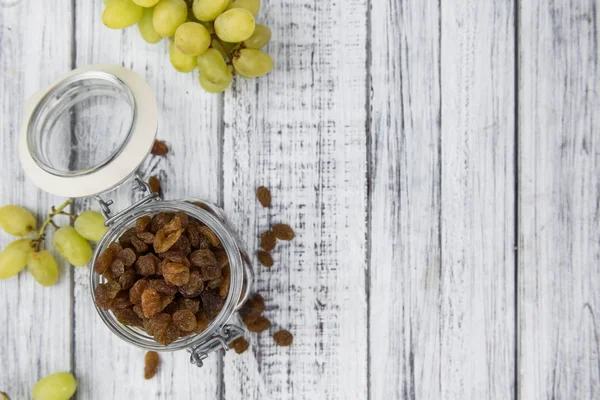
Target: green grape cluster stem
41,234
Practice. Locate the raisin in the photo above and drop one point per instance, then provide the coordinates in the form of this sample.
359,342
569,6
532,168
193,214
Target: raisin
194,286
172,307
159,221
158,324
121,300
203,242
202,322
176,274
104,260
210,273
103,299
108,275
127,256
215,283
240,345
268,240
162,287
125,238
265,258
169,336
203,258
159,148
163,242
283,338
139,245
210,235
115,248
113,289
175,257
193,234
258,325
264,196
175,224
283,232
165,301
183,217
138,310
224,286
221,257
146,265
185,320
127,279
189,304
146,237
154,184
151,303
135,293
252,309
143,224
182,245
127,316
117,268
151,362
211,303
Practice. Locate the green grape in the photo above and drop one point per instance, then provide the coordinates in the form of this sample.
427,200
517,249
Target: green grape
43,267
120,14
253,63
59,386
72,246
192,38
16,220
90,225
208,10
147,28
14,257
224,48
181,62
146,3
251,5
168,15
214,87
260,37
213,67
235,25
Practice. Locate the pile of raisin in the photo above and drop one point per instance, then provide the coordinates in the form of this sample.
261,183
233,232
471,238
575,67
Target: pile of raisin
168,275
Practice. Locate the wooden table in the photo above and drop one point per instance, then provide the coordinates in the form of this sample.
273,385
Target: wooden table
440,162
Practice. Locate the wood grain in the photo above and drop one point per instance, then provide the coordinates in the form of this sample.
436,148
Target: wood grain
405,305
35,322
478,200
559,196
189,120
300,132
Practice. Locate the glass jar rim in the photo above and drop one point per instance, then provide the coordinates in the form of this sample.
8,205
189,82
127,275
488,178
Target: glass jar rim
143,340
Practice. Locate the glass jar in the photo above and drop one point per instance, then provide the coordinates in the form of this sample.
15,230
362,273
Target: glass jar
80,111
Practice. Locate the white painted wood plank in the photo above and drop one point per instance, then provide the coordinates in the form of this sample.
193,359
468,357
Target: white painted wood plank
301,132
559,166
405,285
35,322
477,352
189,121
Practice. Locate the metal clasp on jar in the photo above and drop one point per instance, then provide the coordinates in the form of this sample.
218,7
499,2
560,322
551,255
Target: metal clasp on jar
219,341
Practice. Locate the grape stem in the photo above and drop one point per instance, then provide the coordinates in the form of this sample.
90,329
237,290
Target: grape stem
49,221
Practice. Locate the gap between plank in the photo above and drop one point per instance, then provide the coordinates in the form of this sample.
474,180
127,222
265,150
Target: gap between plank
516,199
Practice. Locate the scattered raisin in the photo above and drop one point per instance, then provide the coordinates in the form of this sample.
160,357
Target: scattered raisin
151,362
143,224
139,245
211,303
151,303
268,240
127,316
164,241
185,320
146,265
135,293
127,256
162,287
154,184
265,258
210,235
127,279
159,221
189,304
258,325
252,309
194,286
283,232
264,196
146,237
159,148
203,258
240,345
283,338
176,274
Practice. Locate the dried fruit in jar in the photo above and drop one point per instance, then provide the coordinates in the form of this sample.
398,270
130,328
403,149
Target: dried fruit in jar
176,274
151,302
159,221
182,245
151,362
121,300
283,338
102,296
265,258
165,300
283,232
169,336
146,265
127,256
210,273
189,304
127,279
193,234
154,184
240,345
210,235
203,258
202,322
212,303
264,196
139,245
194,286
258,325
268,240
142,224
163,241
127,316
159,148
146,237
158,324
162,287
135,293
185,320
104,260
224,286
117,268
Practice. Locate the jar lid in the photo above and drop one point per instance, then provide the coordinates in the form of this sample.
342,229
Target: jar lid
89,131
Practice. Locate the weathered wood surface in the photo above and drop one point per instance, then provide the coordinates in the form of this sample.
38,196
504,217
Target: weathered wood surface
399,139
559,196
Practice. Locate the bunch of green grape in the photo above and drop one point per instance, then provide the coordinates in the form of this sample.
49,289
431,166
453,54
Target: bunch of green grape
220,37
70,241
